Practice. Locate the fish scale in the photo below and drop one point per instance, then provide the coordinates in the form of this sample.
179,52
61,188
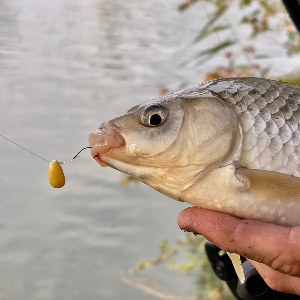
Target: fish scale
269,114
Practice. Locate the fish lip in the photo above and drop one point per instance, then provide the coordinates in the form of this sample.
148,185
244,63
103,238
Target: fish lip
100,157
99,160
105,140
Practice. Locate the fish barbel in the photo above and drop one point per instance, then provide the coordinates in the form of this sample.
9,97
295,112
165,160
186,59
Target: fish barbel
231,145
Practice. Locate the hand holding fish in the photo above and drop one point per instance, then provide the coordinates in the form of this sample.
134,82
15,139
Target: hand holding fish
272,249
229,145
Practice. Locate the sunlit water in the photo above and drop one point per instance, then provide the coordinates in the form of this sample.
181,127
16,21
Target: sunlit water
65,67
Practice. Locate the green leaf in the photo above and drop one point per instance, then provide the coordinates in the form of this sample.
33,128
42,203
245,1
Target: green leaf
208,28
217,48
209,53
203,34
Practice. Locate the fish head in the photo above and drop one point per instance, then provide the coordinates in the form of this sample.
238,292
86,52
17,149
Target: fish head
170,142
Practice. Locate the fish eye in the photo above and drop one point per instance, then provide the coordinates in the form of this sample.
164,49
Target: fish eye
154,115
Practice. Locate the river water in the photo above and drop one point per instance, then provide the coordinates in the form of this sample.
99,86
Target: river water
67,66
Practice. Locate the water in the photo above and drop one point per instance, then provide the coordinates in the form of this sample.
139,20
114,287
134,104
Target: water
66,66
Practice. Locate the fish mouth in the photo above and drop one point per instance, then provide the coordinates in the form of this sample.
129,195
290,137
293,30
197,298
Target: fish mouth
104,140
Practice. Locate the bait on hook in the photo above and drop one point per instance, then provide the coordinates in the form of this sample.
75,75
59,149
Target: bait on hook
56,174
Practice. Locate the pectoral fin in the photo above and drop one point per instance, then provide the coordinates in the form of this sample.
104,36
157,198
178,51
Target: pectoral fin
272,184
276,194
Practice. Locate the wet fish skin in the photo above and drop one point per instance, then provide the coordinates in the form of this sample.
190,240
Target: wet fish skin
230,145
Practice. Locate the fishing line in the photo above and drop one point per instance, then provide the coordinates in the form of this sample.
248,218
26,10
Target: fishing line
233,32
220,41
61,163
56,173
25,149
247,56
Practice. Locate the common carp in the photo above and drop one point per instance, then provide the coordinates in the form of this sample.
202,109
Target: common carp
231,145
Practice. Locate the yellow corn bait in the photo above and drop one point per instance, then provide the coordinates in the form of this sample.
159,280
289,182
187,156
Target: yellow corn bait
56,175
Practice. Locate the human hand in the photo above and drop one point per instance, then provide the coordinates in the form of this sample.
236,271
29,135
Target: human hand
272,249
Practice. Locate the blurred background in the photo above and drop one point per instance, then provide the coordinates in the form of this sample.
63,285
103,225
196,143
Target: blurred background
65,67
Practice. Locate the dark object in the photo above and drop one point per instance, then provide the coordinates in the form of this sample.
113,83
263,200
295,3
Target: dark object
293,9
254,287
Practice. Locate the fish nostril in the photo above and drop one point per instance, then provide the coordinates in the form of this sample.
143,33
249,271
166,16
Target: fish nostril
95,139
100,140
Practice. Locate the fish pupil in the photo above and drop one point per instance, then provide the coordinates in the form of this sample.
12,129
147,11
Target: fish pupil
155,120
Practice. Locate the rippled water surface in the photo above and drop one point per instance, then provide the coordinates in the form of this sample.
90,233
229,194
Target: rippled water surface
65,67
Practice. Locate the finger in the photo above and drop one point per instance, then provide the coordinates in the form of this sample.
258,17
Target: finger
273,245
278,281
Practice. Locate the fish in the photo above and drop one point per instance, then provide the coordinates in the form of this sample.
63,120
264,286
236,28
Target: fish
230,145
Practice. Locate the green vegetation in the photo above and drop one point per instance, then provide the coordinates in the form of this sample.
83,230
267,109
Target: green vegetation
260,18
196,266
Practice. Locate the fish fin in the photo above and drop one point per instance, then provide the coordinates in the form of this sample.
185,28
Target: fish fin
237,180
241,182
237,264
271,183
